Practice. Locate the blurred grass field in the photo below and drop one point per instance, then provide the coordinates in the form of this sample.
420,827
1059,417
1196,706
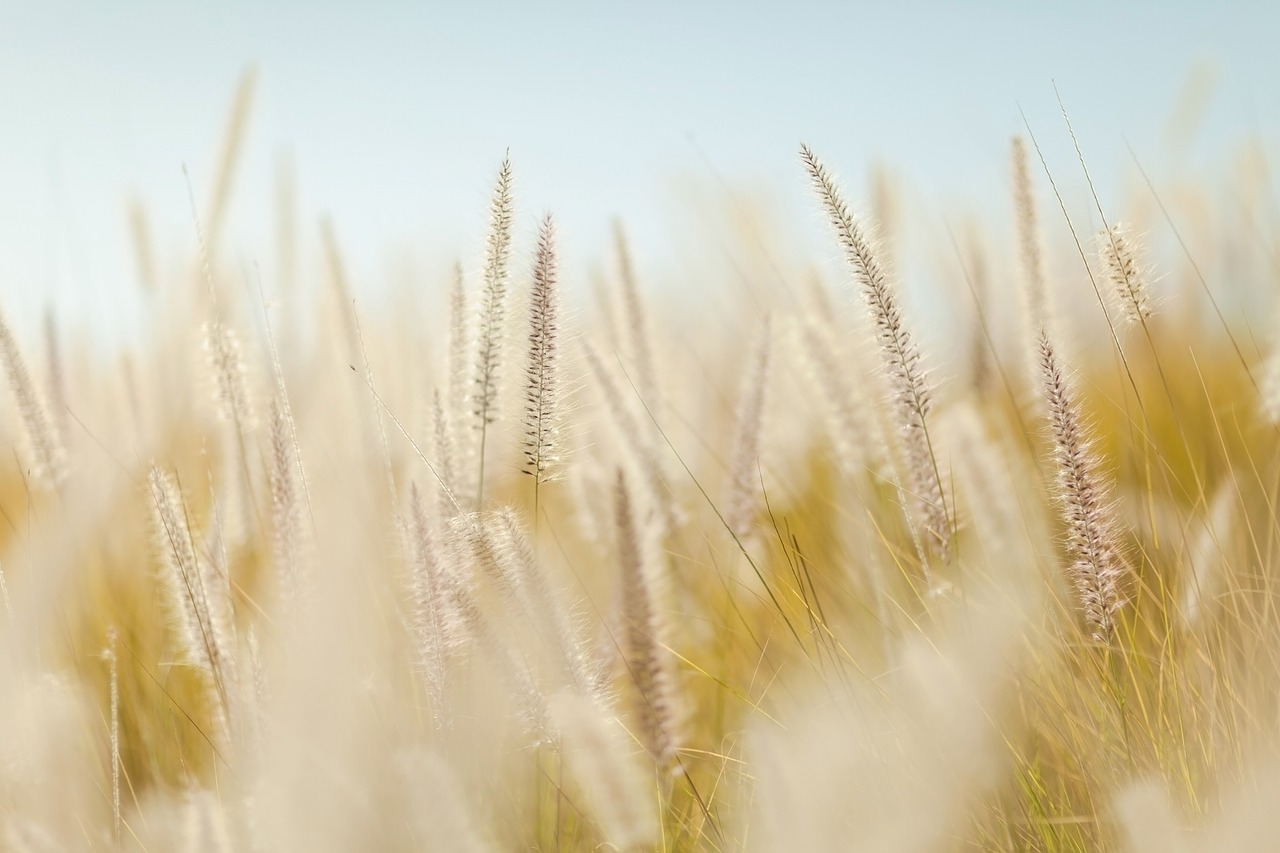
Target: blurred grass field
278,577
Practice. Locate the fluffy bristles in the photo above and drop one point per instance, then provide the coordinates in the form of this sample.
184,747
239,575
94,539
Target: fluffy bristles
542,371
1095,566
48,459
1118,252
900,357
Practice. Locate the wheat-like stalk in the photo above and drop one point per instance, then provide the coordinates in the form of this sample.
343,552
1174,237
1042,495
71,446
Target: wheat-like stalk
229,157
744,491
636,440
286,533
850,423
47,454
448,491
492,314
645,645
980,355
1119,256
1096,568
1035,291
231,378
637,343
454,408
542,418
193,593
899,354
437,626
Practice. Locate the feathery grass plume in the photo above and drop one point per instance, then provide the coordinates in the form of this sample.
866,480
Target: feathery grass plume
901,358
193,594
48,459
1118,252
637,344
508,544
743,501
980,355
455,409
341,290
258,699
849,421
459,364
286,533
636,440
438,629
465,541
645,646
229,157
491,320
1035,289
595,751
1096,568
542,372
449,493
231,378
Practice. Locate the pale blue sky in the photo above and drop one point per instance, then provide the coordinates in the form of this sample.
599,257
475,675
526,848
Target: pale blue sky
398,113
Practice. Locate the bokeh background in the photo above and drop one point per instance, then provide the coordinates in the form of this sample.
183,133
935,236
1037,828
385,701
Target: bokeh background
390,118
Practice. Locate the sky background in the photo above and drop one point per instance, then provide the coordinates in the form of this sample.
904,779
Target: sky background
396,115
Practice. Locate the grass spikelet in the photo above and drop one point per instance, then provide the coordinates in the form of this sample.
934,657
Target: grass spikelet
636,440
286,530
595,751
1035,291
981,368
542,371
454,410
847,415
492,315
466,541
644,636
231,379
900,356
1118,254
510,545
448,490
744,493
48,459
1096,568
437,628
229,157
193,598
637,343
